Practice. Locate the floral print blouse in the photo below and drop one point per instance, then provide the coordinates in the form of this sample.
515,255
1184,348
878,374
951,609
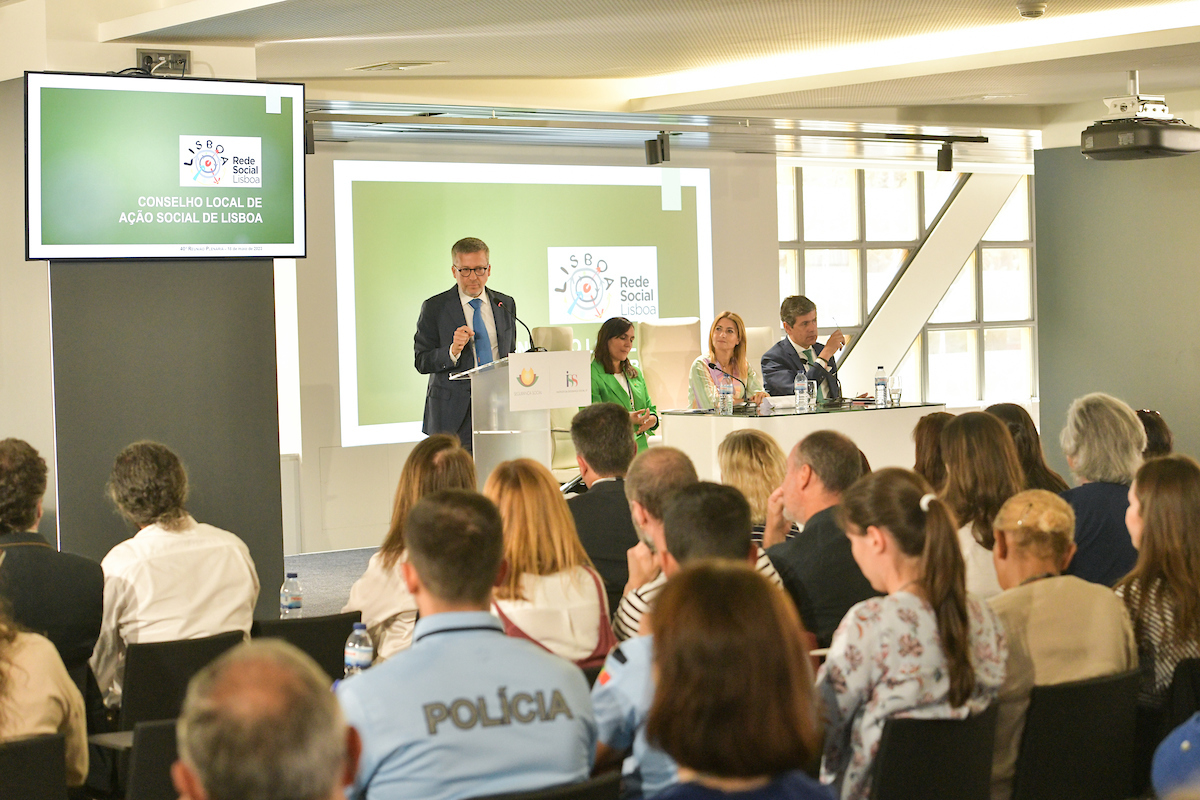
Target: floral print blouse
886,660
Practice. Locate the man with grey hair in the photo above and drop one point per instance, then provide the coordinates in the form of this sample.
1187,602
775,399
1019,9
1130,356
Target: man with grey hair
604,446
260,723
175,578
817,567
1103,442
798,352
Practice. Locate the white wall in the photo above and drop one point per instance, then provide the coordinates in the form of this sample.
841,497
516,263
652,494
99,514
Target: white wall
346,493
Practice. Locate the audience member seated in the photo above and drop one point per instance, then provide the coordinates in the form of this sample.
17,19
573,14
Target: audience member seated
260,722
653,477
726,349
550,593
1177,762
701,521
465,711
1038,474
175,578
1162,592
388,610
927,436
38,697
1159,441
816,566
59,595
982,471
604,446
752,462
928,649
717,624
1059,628
1103,443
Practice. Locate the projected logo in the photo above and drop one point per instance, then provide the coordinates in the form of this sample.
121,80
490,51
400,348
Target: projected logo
592,284
228,161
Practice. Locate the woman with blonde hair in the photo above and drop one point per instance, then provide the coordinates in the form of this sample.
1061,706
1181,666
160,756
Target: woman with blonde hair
982,472
1162,592
926,649
714,623
726,355
550,593
389,611
1060,628
1103,442
752,462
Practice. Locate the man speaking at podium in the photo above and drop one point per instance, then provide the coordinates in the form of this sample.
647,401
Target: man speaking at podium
459,329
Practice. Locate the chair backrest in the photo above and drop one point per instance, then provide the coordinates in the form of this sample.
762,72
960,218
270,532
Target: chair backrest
759,339
1183,698
154,752
554,337
1079,740
157,675
924,758
666,350
323,638
604,787
34,767
562,449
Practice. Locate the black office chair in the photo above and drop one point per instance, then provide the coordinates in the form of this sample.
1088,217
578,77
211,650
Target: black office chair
34,767
1078,740
604,787
157,675
150,762
323,638
920,759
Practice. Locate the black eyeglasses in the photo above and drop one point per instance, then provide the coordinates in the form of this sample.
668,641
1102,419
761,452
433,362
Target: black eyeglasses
478,271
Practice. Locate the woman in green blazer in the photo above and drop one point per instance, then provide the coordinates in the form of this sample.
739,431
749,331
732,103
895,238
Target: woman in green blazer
615,380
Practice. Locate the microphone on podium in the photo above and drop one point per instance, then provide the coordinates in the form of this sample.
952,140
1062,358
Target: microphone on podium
513,314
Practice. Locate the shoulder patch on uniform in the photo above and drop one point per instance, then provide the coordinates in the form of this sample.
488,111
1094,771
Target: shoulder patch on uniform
619,656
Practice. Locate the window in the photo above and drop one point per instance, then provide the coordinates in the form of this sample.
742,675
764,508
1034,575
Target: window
844,235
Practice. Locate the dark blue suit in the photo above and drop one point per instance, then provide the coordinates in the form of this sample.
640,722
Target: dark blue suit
447,402
781,363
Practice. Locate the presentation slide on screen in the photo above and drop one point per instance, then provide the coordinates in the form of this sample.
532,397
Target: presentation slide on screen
164,168
573,245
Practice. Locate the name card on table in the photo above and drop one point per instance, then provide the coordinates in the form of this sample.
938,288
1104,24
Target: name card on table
549,380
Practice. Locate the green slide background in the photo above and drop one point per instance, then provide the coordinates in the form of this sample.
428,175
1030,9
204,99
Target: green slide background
102,150
402,237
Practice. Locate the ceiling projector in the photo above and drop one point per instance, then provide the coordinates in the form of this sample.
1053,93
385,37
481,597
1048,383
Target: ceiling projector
1138,126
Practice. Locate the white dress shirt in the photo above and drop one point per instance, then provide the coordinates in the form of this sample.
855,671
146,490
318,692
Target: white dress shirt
161,586
803,352
489,322
388,609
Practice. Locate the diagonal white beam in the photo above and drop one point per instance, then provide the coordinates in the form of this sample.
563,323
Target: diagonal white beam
886,340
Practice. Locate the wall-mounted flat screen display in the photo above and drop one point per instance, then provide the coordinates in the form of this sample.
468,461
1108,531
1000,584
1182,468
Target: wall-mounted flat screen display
135,167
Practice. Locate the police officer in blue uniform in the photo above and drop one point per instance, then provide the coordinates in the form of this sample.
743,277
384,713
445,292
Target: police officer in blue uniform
466,711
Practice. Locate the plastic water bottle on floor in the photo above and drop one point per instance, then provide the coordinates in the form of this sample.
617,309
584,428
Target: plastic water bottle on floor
881,388
291,598
800,387
359,650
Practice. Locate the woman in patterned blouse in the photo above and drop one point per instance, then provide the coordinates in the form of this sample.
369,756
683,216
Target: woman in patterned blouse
1162,592
926,650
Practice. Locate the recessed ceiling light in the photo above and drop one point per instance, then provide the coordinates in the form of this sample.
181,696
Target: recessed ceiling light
393,66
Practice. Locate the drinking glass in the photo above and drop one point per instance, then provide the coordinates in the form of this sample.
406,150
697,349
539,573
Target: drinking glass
895,386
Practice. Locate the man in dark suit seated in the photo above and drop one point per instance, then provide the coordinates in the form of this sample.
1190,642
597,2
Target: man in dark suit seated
59,595
604,446
468,314
799,351
817,567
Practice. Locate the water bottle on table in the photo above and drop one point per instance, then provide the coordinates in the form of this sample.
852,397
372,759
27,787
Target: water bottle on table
725,395
360,652
291,598
881,388
801,386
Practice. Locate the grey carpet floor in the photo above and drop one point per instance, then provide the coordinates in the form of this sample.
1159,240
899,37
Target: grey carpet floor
326,578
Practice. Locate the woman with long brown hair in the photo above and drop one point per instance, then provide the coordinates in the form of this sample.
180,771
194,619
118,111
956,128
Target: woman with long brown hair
927,647
389,611
982,471
550,593
927,436
726,349
1038,474
716,622
1162,592
616,380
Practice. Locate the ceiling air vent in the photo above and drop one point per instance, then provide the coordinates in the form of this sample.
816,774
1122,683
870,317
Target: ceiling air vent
393,66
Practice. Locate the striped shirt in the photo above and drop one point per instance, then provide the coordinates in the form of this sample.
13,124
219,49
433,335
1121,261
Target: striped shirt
636,604
1158,649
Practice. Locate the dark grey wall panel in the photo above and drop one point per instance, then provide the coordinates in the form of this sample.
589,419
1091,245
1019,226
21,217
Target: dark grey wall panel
177,352
1118,268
